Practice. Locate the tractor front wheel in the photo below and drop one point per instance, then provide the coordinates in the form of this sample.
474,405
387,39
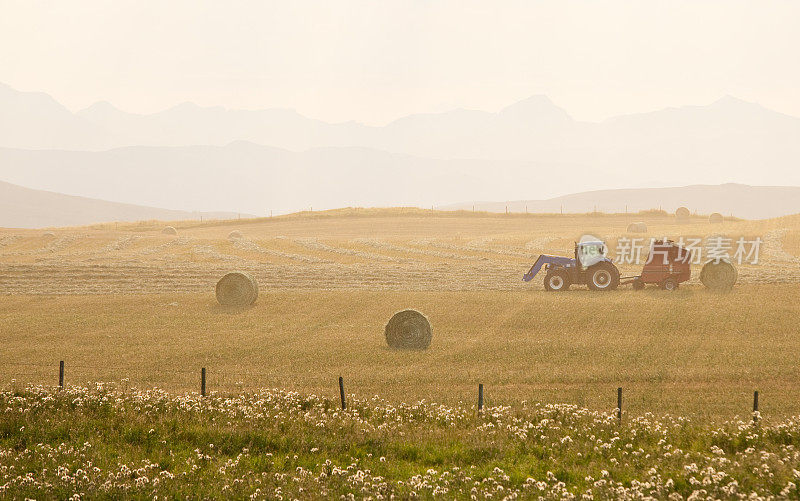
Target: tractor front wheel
557,280
603,277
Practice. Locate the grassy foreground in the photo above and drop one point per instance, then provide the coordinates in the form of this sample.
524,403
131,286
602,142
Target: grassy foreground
108,443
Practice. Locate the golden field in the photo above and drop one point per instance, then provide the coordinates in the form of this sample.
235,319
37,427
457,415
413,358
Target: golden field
688,352
372,249
126,302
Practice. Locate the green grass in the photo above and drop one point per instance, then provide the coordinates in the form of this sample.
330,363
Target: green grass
111,442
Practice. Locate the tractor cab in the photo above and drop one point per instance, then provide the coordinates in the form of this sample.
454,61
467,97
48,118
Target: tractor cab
589,253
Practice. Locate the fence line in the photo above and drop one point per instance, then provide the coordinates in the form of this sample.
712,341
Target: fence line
203,392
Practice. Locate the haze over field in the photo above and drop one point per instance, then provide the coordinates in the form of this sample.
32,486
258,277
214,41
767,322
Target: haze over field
344,105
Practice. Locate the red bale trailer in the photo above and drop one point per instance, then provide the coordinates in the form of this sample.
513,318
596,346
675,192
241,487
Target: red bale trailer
667,266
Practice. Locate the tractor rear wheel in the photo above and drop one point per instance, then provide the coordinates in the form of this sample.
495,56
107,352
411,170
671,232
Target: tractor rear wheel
557,280
603,277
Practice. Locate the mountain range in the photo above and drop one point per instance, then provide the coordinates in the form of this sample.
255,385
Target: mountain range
209,158
26,208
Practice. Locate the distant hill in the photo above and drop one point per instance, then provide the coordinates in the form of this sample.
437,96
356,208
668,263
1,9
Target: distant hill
26,208
251,178
749,202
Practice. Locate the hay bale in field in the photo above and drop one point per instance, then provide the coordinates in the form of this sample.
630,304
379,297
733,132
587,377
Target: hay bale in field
408,330
715,218
235,235
719,275
169,230
237,288
682,215
682,212
638,227
49,234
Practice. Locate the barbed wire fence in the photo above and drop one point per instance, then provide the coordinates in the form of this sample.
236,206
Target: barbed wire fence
200,380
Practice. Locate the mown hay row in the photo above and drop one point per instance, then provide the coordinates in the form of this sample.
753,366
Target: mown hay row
250,246
380,244
52,247
314,244
9,239
637,227
479,245
121,244
773,247
538,243
155,249
212,253
471,248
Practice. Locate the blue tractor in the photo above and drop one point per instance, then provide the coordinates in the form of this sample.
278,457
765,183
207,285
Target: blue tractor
590,266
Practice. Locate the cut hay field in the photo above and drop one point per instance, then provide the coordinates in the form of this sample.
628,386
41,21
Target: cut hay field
689,352
371,249
124,301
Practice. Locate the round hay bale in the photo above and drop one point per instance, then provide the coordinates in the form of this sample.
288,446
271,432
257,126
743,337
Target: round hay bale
169,230
49,234
408,330
234,235
237,288
638,227
718,275
715,218
682,213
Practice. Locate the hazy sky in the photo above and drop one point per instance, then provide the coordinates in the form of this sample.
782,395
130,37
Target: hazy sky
374,61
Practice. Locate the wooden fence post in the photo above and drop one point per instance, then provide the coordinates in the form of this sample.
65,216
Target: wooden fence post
341,393
203,382
61,374
480,397
755,406
619,404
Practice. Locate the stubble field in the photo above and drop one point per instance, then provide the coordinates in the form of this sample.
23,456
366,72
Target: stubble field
126,302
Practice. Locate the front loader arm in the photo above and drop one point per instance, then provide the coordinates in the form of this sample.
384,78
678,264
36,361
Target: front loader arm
543,260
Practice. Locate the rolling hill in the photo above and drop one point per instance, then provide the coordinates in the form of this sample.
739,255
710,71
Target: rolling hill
247,177
750,202
26,208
